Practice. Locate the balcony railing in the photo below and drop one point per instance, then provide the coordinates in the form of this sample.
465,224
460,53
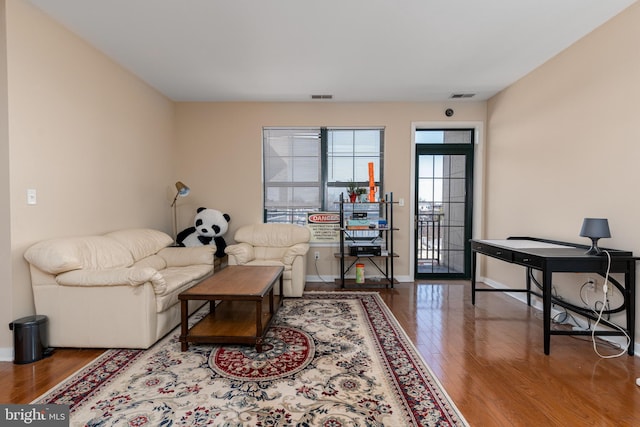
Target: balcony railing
429,237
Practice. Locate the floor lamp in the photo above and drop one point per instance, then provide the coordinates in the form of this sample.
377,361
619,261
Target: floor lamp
183,190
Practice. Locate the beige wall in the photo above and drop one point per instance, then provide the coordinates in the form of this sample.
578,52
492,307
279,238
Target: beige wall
92,139
564,144
221,156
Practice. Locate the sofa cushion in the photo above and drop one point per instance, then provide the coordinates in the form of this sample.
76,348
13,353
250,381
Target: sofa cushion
182,257
56,256
153,261
268,252
132,276
141,242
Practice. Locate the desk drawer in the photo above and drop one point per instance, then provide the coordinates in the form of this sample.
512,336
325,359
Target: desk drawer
504,254
528,260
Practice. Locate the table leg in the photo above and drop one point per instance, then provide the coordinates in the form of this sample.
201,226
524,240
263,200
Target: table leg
259,326
473,277
271,300
546,308
184,326
528,282
630,290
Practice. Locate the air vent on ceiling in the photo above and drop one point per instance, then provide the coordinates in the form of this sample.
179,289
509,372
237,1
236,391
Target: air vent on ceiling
321,96
462,95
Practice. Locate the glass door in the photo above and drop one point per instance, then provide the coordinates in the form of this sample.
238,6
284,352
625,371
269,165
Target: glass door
444,183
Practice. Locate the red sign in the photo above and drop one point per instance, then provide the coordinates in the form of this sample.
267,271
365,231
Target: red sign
323,218
324,226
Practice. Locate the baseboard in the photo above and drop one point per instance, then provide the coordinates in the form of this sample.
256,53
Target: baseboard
332,279
537,304
6,354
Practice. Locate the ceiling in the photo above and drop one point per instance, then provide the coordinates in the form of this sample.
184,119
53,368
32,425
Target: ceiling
355,50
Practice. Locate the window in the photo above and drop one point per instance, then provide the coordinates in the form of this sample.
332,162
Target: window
306,169
444,136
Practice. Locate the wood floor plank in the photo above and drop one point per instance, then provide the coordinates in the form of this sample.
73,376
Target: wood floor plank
489,358
24,383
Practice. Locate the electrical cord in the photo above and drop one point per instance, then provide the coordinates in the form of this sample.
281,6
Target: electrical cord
597,306
555,297
318,273
605,289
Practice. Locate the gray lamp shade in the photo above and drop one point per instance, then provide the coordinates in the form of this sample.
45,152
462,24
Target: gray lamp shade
595,228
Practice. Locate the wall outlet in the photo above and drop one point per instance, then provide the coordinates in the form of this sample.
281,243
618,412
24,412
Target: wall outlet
316,255
591,284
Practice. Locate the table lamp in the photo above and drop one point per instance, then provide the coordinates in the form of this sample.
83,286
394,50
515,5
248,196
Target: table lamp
595,228
183,190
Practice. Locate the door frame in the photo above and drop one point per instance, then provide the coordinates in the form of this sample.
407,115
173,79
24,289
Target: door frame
477,222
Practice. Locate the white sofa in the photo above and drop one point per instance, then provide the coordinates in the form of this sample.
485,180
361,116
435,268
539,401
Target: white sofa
117,290
274,244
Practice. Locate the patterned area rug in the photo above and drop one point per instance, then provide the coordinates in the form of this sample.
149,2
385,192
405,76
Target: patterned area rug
331,359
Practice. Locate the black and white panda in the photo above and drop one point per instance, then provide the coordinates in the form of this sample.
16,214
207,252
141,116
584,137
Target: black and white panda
210,226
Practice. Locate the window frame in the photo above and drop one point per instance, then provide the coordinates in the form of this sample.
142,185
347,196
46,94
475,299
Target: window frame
325,185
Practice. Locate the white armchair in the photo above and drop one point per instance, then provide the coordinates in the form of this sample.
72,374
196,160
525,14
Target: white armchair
274,244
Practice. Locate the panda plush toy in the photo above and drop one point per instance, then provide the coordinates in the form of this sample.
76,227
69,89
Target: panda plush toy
210,226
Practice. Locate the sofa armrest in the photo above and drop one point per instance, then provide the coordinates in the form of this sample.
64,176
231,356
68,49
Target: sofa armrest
299,249
176,256
131,276
241,253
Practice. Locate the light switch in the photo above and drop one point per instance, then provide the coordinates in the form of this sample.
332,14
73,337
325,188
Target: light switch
31,196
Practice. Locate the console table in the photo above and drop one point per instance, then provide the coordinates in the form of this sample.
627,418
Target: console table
550,256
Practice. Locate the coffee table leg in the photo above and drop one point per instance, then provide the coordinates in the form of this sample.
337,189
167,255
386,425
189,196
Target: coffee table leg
184,318
259,326
271,301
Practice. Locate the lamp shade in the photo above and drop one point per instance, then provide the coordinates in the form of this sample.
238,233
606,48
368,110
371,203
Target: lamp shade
595,228
183,190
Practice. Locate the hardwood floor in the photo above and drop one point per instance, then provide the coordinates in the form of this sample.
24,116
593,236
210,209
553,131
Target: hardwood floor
24,383
489,359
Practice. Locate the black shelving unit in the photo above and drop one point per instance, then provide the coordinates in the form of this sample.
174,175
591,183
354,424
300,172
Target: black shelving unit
383,263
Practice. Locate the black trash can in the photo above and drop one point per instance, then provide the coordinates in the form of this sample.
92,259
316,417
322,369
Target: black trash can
30,339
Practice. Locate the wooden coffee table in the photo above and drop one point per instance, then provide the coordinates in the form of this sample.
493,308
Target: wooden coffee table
240,318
